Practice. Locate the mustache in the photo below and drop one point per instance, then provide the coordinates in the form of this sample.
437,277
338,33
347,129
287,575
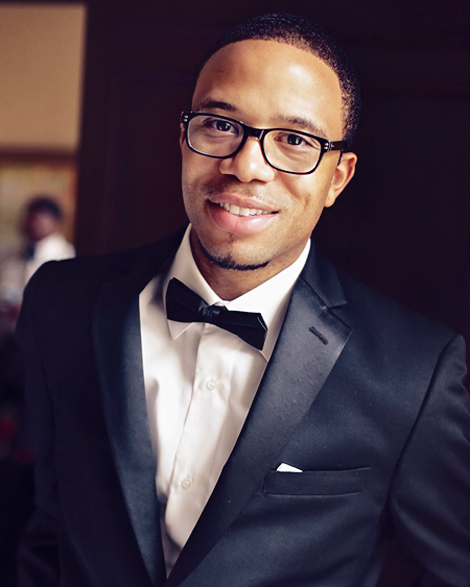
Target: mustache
213,188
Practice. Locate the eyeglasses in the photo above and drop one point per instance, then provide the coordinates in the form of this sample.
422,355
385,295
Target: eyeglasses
285,149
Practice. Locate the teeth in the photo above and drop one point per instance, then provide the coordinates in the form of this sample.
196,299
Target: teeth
242,211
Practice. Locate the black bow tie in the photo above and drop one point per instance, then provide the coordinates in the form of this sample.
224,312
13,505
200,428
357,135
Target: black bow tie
184,305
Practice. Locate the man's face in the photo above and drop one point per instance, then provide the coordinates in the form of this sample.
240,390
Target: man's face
39,224
264,84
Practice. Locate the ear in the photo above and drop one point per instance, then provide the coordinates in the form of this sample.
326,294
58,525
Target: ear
342,175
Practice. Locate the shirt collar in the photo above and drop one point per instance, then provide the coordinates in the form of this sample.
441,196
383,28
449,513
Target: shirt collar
270,299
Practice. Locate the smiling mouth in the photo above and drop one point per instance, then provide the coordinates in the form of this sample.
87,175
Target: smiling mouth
237,211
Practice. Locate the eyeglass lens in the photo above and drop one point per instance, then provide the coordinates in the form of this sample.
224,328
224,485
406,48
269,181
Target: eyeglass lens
284,149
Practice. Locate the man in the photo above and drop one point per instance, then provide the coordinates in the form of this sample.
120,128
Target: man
173,451
41,229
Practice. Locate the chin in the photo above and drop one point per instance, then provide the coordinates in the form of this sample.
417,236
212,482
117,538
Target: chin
228,260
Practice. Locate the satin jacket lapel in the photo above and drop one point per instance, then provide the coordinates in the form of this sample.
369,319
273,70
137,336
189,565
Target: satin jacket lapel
116,330
310,342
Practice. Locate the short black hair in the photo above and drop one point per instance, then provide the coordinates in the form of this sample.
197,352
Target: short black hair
302,33
45,203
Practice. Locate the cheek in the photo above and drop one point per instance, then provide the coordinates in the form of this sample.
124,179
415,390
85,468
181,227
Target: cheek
187,189
189,178
308,202
197,171
308,195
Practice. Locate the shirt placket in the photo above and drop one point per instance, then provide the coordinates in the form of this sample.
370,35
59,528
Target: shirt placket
191,482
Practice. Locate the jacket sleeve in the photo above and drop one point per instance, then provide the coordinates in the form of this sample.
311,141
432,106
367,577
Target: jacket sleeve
430,495
38,556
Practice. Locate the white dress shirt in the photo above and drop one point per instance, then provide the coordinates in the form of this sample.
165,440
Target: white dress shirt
200,381
16,269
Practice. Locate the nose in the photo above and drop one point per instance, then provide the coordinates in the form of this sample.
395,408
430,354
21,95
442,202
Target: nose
248,164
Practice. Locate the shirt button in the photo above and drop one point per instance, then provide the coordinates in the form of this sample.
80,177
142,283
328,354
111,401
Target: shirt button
211,384
187,482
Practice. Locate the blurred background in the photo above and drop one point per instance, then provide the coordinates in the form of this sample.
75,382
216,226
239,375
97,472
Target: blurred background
90,97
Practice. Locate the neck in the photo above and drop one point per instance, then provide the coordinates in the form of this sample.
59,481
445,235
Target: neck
229,284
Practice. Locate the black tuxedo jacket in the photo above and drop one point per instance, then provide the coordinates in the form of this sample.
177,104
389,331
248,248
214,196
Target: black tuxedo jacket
363,396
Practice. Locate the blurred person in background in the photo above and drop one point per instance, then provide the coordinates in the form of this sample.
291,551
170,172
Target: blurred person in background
42,240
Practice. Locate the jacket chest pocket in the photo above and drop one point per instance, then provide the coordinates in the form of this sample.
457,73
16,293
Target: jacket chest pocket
338,482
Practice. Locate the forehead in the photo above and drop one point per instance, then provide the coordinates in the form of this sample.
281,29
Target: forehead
267,83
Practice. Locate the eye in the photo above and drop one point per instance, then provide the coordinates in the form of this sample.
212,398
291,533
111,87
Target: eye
220,125
295,140
292,139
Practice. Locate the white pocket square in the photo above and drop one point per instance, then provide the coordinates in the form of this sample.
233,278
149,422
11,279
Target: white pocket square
285,468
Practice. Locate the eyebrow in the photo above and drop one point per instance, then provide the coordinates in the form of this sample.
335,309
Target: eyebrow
211,104
304,123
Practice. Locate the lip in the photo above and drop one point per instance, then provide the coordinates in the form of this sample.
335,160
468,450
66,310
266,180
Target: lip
241,201
241,225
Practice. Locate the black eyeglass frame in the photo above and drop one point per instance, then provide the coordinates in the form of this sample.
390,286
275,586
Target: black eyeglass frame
260,133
